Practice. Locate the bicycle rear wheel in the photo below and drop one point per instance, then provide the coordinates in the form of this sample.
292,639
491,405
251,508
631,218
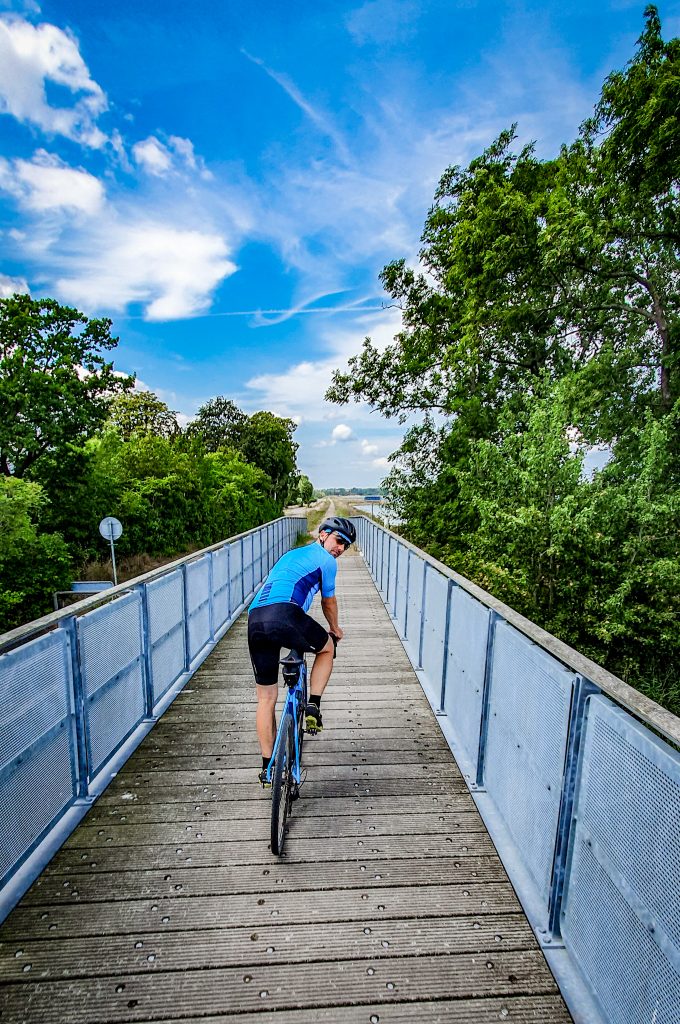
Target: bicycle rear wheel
282,785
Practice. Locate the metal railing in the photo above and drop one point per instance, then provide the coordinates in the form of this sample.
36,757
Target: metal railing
565,761
80,688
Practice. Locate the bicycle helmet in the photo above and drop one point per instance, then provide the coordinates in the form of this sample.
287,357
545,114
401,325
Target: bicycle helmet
339,524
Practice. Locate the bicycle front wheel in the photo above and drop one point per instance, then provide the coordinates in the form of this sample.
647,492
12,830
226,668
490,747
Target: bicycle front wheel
282,785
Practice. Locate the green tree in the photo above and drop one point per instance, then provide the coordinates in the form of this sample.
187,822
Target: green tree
305,490
142,412
33,564
55,382
219,423
267,443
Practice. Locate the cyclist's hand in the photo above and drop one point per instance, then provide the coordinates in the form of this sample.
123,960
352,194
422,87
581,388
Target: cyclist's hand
337,633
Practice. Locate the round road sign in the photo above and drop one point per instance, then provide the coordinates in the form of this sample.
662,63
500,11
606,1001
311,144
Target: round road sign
110,528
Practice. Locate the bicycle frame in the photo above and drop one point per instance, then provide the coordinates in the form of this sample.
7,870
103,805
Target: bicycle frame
295,700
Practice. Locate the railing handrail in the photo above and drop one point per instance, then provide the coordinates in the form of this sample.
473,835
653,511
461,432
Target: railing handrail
34,628
644,708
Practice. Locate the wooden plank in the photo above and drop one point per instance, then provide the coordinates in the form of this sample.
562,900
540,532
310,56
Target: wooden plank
256,851
225,810
141,953
103,1000
313,757
126,790
541,1009
180,913
102,886
225,831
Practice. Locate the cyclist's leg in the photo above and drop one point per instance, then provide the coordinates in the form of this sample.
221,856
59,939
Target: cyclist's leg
265,716
264,655
321,669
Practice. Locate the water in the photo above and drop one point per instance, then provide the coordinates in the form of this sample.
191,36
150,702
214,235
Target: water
381,512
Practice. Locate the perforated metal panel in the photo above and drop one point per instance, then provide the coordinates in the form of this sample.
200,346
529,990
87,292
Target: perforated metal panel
38,746
110,646
529,705
468,628
434,629
165,603
390,583
414,604
236,589
621,912
248,574
258,571
401,580
198,604
220,586
383,561
268,543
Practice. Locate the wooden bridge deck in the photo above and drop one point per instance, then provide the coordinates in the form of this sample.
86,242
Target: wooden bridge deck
389,906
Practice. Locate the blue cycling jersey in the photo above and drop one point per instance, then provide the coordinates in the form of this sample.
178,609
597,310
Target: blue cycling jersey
297,576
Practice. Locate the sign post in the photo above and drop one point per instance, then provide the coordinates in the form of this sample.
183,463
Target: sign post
372,498
111,529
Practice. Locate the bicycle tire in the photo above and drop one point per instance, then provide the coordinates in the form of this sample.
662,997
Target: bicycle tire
282,784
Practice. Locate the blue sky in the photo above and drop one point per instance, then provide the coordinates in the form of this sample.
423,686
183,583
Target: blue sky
226,181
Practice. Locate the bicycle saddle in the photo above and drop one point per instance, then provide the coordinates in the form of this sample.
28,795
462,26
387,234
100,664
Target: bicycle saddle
291,661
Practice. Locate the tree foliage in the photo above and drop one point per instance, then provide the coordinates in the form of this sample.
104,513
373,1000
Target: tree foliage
142,412
33,564
55,381
545,321
219,423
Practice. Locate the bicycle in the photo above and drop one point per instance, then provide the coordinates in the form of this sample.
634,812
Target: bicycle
285,768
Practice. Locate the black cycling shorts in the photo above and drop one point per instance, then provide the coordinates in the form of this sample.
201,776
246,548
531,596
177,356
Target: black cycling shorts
274,626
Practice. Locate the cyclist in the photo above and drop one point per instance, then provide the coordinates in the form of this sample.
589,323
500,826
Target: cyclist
278,618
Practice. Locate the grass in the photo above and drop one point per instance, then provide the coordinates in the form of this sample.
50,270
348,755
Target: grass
315,515
127,567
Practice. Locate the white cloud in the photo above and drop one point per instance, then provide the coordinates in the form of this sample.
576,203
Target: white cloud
342,432
368,449
152,156
47,183
381,463
382,21
12,285
320,120
177,156
171,271
300,389
184,148
30,57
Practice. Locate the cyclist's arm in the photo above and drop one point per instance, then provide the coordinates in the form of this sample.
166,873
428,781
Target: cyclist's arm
329,607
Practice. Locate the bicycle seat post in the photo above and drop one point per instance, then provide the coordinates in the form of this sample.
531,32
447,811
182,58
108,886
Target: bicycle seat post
291,667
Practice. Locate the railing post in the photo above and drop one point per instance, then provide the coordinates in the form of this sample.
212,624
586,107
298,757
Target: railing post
423,597
406,590
583,689
70,625
445,657
187,638
396,580
147,667
228,547
494,618
389,566
211,609
243,575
